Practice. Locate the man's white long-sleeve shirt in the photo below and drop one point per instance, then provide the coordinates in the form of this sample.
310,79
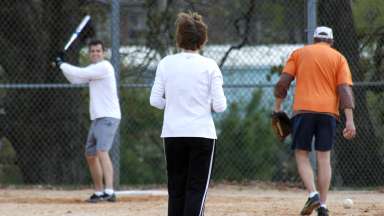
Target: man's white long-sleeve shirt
104,101
189,87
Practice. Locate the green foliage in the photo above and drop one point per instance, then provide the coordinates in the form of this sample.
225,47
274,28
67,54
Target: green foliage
142,154
369,19
375,103
368,15
274,13
9,172
275,70
247,148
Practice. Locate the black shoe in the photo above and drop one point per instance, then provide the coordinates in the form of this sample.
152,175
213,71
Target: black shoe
311,204
109,197
94,198
322,211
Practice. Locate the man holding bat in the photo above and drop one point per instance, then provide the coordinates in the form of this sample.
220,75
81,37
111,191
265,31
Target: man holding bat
104,113
323,87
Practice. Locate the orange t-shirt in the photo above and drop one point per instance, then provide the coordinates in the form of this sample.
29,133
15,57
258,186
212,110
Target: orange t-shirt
318,70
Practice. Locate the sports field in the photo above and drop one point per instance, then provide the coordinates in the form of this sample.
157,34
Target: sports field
223,200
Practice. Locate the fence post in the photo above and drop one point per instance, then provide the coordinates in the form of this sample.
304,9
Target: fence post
115,60
311,19
311,25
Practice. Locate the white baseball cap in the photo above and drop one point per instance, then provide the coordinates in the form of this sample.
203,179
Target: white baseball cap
323,32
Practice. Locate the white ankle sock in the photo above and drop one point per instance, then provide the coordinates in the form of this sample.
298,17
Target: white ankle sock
99,193
312,194
108,191
323,205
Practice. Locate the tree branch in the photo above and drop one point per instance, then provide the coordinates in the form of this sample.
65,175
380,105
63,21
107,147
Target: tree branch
247,17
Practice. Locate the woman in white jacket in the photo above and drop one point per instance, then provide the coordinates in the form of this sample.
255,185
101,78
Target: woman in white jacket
188,87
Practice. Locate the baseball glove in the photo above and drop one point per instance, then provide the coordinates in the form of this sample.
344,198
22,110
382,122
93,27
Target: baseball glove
281,125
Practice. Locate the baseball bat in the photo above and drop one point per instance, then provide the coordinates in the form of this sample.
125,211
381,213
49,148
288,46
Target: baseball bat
77,32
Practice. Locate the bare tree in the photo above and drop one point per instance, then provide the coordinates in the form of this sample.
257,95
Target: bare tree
44,126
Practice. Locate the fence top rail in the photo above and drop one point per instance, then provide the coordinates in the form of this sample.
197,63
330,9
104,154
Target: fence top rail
143,85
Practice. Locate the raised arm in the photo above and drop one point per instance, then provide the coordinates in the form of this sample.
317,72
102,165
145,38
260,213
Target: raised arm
92,72
75,80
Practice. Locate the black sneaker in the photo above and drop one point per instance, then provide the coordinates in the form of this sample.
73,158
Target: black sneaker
94,198
109,197
311,204
322,211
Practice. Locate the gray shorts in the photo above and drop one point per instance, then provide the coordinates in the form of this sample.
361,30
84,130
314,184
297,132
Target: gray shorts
101,135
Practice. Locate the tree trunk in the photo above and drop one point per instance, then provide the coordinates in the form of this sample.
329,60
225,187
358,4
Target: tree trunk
358,162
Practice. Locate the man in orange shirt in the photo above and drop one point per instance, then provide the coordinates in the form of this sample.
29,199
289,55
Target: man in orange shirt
323,86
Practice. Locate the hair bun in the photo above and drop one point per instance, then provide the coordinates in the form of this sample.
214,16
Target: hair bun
191,31
196,16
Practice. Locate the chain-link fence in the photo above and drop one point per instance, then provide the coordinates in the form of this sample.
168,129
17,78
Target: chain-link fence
44,121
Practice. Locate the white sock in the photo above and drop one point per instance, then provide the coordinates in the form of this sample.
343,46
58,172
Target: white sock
313,194
108,191
99,193
323,205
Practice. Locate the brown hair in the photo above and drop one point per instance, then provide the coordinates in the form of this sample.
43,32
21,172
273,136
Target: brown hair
96,42
318,40
191,31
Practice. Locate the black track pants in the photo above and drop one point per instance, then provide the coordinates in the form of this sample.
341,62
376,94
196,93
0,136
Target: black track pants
189,165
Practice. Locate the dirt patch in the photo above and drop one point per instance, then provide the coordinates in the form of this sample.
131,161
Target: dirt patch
223,200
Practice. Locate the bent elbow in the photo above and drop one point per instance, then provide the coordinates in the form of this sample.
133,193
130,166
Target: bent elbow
152,101
220,107
155,102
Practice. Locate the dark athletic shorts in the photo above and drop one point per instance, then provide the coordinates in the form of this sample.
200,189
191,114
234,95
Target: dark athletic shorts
309,125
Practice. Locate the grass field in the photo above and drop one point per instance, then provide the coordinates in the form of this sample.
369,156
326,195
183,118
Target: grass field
223,200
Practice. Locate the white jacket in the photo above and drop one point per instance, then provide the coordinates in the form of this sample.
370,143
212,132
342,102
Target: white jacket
189,87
